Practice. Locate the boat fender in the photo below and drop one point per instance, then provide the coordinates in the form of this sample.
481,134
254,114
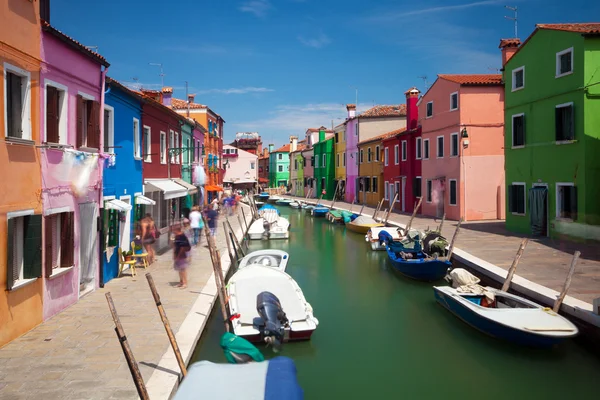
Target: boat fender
234,316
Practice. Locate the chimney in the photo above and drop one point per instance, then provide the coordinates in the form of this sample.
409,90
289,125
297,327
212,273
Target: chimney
167,94
322,134
259,149
271,148
191,98
412,111
351,110
293,143
508,47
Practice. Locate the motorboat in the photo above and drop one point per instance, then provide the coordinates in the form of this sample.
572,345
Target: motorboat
377,244
284,202
267,207
272,258
419,265
267,305
269,225
319,211
264,196
274,199
362,224
503,315
296,204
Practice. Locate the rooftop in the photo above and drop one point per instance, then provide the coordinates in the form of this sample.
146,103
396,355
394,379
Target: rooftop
474,79
179,104
584,27
74,43
319,129
383,136
395,110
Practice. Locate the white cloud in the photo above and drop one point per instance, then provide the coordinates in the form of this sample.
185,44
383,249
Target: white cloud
389,16
257,7
316,42
242,90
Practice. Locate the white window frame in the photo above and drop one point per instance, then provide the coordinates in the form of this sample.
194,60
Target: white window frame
137,142
369,157
397,189
373,188
396,154
146,153
512,131
280,156
524,197
404,150
560,53
171,146
26,118
453,94
386,156
188,159
20,282
163,152
252,165
419,149
512,83
377,156
280,168
564,105
428,199
64,113
177,146
437,146
427,109
454,135
111,129
420,188
450,192
558,185
426,147
385,190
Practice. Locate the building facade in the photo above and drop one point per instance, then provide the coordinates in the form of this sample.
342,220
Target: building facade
248,141
552,114
339,133
263,167
241,168
370,170
324,167
279,167
308,170
296,166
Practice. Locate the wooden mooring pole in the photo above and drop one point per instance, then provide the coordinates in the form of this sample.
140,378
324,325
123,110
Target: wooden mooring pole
410,221
562,295
513,267
387,216
236,240
244,218
166,324
439,229
219,279
334,195
377,209
451,250
232,258
138,380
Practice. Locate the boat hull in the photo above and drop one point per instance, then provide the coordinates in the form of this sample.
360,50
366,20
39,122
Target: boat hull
319,213
279,235
295,336
421,270
360,228
493,328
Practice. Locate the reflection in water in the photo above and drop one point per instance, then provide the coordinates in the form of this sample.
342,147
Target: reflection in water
383,336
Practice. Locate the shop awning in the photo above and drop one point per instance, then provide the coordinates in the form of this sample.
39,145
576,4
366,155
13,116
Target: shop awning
117,205
139,199
170,189
191,189
263,180
213,188
240,181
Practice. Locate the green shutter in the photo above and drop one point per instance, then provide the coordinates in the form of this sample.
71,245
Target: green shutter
113,228
10,278
32,247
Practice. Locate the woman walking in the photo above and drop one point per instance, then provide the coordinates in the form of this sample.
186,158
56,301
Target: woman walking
149,234
181,247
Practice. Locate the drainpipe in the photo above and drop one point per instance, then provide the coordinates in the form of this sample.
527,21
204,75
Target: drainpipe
100,225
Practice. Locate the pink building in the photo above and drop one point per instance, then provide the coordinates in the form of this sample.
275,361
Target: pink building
241,168
71,124
463,137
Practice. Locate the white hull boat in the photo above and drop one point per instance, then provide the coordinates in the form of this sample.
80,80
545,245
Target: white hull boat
274,199
271,258
270,225
372,237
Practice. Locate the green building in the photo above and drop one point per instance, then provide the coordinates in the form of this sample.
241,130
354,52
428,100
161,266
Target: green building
279,167
552,131
324,172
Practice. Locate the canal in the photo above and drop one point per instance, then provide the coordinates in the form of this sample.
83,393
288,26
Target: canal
384,336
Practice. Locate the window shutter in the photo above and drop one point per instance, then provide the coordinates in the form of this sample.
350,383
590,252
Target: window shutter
511,199
48,239
52,115
15,109
32,247
558,124
573,199
80,111
67,239
93,139
11,273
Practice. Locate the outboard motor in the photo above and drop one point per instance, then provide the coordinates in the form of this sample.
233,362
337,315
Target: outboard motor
385,237
267,227
272,321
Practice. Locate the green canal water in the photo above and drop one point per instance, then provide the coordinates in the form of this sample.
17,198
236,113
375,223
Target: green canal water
383,336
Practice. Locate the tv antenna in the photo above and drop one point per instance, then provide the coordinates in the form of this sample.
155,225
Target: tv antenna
162,74
497,70
95,48
424,77
515,18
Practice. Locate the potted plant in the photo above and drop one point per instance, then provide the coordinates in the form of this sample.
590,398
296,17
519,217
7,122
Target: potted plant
137,245
128,255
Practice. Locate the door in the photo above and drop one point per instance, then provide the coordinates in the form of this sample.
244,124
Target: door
403,194
125,227
538,209
391,192
439,197
88,247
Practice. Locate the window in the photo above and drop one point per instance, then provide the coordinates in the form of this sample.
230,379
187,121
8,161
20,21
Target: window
396,155
377,155
312,161
440,147
295,165
566,201
324,160
453,144
429,109
564,62
386,155
516,198
375,188
391,191
426,149
252,165
146,142
404,150
419,149
518,78
417,186
59,241
361,156
137,148
565,122
24,248
518,130
344,159
385,190
336,138
356,132
109,130
429,187
88,124
369,154
397,194
316,161
323,182
177,154
280,156
17,113
452,193
337,160
56,115
187,151
453,101
367,181
280,168
163,148
171,146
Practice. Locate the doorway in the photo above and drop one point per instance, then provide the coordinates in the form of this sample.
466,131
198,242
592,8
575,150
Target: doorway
538,209
88,247
125,227
439,197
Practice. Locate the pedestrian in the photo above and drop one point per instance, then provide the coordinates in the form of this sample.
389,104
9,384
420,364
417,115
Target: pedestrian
212,218
197,224
215,204
149,234
181,248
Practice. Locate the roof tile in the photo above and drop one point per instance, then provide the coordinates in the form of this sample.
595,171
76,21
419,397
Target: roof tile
395,110
474,79
66,38
585,27
179,104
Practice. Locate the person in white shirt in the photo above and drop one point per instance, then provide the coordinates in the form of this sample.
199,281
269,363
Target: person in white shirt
197,224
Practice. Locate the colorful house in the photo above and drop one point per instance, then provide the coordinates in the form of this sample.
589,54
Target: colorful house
463,163
263,167
340,159
403,176
241,168
248,141
21,297
297,166
370,169
198,133
552,141
124,203
373,122
279,167
308,171
324,166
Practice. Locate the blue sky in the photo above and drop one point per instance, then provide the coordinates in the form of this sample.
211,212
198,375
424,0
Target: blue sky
281,66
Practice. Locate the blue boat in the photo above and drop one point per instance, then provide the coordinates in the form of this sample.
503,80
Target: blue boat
419,266
264,196
320,211
269,207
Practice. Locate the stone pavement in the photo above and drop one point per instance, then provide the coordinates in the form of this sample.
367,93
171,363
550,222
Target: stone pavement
545,261
76,354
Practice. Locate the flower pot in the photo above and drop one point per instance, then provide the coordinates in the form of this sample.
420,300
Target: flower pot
128,258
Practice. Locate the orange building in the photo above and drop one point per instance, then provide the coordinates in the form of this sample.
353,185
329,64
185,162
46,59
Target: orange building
370,169
213,141
20,188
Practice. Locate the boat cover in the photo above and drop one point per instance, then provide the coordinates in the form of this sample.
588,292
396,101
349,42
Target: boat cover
231,343
269,380
465,282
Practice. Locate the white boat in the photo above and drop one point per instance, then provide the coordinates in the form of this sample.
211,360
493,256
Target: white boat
270,225
274,199
372,237
296,204
271,258
284,202
243,289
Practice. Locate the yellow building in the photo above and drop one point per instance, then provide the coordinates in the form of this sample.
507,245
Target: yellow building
340,159
370,170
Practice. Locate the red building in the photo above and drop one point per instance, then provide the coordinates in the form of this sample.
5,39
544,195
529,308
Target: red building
402,155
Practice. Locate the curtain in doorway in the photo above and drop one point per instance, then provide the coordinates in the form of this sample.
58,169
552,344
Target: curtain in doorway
537,210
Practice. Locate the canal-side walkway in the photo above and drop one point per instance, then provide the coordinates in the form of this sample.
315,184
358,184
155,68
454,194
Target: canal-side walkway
545,261
76,354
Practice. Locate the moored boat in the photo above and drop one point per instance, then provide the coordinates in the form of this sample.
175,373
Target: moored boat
274,199
362,224
271,258
284,202
419,265
270,225
264,196
319,211
267,207
375,241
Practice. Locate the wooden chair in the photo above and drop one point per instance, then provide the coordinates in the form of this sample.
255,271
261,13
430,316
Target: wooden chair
123,263
142,258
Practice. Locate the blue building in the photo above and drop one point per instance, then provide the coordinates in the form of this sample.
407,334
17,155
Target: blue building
128,142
